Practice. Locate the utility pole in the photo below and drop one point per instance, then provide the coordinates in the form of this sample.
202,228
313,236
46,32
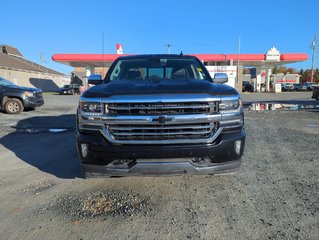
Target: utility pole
314,45
238,59
41,58
168,48
103,64
41,64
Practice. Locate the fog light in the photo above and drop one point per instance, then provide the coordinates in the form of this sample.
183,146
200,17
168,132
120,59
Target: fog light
84,149
237,146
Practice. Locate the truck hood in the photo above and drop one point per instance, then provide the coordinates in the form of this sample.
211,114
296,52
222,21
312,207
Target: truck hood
134,87
24,88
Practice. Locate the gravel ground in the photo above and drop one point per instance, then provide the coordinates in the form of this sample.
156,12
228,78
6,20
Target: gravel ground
99,204
274,196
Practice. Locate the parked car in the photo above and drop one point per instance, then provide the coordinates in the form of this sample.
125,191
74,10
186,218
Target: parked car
315,93
247,87
287,87
70,89
14,99
154,107
299,87
310,85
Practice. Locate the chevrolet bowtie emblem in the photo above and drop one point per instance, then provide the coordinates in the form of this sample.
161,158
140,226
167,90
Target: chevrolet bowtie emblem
162,119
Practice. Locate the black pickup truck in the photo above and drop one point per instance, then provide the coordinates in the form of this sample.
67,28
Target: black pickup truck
70,89
159,115
14,99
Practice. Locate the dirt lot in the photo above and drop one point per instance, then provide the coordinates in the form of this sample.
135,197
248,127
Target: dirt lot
274,196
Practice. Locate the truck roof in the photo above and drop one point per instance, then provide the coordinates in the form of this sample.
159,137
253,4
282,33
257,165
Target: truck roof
140,56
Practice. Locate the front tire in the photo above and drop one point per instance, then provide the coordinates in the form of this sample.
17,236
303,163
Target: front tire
13,106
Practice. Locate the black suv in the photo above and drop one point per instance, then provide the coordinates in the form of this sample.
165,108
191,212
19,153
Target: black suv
70,89
159,115
315,93
247,87
14,99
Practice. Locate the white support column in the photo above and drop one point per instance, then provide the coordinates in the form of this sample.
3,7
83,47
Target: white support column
88,71
268,74
258,79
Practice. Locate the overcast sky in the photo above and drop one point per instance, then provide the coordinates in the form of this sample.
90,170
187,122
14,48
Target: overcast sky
146,26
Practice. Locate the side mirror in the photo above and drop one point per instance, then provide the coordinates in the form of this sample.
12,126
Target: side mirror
95,79
220,78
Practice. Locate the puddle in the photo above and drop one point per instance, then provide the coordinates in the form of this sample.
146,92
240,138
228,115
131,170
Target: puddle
279,106
313,125
57,130
43,130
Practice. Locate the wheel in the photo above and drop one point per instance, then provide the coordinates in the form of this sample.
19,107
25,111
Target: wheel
13,106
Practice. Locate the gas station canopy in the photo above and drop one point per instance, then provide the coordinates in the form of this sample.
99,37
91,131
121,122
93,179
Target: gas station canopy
99,60
264,63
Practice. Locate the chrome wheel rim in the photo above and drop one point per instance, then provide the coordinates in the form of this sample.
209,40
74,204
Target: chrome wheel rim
13,107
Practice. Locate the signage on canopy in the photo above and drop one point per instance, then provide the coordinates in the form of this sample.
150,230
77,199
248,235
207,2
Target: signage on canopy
287,81
273,55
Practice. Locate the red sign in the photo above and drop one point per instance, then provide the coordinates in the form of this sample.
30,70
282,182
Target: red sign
286,81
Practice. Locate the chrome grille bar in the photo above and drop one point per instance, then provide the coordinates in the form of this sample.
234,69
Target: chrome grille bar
156,127
166,139
161,130
118,109
154,134
131,132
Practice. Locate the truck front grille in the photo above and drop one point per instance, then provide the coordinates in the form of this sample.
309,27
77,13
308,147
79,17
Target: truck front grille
179,108
159,132
38,94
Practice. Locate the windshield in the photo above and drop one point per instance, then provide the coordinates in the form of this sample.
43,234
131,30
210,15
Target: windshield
5,82
157,68
66,86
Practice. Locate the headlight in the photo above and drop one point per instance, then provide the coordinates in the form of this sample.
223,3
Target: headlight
230,104
28,94
91,107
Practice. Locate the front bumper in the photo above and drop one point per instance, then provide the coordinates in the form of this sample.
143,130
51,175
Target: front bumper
32,102
102,157
159,169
